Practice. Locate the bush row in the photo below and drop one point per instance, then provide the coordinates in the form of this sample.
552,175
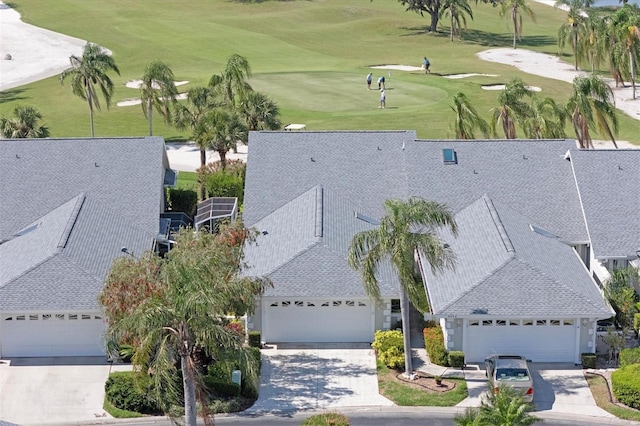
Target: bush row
131,391
389,347
626,386
434,344
630,356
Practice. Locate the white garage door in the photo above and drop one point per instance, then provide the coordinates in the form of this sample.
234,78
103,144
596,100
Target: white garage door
52,335
336,320
538,340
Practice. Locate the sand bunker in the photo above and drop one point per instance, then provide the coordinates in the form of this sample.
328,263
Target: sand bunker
397,67
131,102
135,84
473,74
502,86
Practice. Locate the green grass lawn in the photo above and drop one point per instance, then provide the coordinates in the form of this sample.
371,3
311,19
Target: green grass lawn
310,56
600,392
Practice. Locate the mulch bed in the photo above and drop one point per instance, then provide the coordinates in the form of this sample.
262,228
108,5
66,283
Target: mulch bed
426,383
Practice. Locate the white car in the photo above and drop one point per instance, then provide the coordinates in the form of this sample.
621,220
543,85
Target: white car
512,371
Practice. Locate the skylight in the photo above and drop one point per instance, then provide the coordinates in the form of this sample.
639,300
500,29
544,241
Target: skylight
367,219
543,232
27,230
449,156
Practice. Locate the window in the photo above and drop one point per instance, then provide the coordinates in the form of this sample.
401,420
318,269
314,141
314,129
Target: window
274,304
325,304
8,319
568,322
474,323
350,303
527,322
299,303
73,316
395,306
337,303
33,317
311,304
362,304
449,156
46,317
286,303
85,317
514,322
501,322
59,316
487,322
541,322
20,318
554,322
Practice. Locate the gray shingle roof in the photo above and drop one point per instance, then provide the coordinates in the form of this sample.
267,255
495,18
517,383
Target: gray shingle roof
531,177
609,185
63,262
305,259
504,268
367,166
38,175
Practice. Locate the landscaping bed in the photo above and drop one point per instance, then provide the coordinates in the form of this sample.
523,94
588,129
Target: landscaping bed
425,382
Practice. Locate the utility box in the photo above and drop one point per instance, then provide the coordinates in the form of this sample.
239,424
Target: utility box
236,377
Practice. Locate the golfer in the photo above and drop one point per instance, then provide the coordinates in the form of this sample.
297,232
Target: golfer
383,99
381,82
426,65
369,78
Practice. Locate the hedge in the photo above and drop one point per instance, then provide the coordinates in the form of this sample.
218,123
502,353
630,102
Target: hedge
630,356
588,360
255,339
389,346
626,386
456,359
636,322
434,344
131,391
182,200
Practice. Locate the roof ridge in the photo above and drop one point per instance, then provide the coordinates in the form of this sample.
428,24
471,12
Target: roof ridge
498,222
26,271
319,212
73,217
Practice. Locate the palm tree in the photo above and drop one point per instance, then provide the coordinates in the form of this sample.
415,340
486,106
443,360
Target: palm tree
515,9
592,104
626,29
220,130
200,101
546,121
157,90
88,71
573,29
231,83
512,108
23,124
259,112
457,11
201,282
505,407
407,227
467,118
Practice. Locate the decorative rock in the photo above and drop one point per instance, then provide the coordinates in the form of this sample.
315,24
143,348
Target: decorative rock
7,57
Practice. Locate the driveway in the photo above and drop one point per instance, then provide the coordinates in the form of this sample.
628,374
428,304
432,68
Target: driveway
317,376
53,390
559,388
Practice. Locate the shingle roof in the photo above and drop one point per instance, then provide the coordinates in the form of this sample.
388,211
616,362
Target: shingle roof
367,166
63,261
609,185
38,175
504,268
304,251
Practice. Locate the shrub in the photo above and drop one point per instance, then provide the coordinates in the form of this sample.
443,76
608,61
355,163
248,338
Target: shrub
182,200
236,328
225,184
257,355
326,419
588,360
392,358
385,340
434,344
131,391
456,359
255,339
636,323
626,386
221,406
629,356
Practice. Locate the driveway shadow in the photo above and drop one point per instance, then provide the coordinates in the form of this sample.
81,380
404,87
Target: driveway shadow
63,360
554,382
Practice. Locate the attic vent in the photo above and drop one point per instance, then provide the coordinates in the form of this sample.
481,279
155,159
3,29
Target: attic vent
449,156
27,230
543,232
367,219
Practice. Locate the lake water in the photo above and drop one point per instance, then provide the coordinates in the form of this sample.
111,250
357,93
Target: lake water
599,3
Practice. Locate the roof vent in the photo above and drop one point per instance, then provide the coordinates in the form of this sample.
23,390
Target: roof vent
542,232
449,156
367,219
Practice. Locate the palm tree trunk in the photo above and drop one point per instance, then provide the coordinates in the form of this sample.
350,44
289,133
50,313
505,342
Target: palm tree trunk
223,159
633,74
190,411
514,16
89,101
150,113
203,162
575,47
406,330
451,31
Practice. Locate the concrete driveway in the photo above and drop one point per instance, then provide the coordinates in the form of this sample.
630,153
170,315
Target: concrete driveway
317,376
53,390
559,388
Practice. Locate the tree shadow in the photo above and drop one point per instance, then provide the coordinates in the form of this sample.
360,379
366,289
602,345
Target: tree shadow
11,95
484,38
61,360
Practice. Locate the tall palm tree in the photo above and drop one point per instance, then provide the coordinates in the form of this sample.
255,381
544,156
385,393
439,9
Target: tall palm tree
626,29
23,124
512,108
200,101
592,105
574,28
232,82
259,112
457,10
201,282
220,130
88,71
467,118
157,90
407,227
546,121
593,46
515,8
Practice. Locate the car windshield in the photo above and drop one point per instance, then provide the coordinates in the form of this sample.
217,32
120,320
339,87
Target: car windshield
512,374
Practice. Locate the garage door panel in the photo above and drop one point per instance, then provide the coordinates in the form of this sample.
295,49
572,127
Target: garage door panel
318,321
540,343
53,335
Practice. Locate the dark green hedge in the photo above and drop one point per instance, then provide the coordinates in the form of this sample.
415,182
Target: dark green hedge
255,338
182,200
456,359
588,360
630,356
131,391
434,344
626,385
